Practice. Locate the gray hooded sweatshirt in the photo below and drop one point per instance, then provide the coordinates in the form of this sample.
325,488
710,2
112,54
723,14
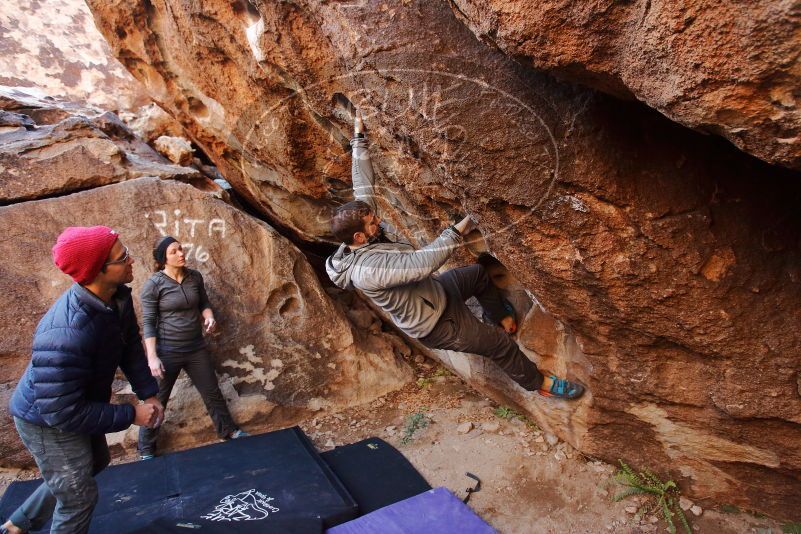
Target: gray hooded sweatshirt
395,276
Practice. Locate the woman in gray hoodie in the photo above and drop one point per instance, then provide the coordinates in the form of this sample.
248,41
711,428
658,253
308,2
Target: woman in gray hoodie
174,302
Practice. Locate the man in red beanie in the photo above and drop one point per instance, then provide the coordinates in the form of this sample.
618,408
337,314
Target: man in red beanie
61,406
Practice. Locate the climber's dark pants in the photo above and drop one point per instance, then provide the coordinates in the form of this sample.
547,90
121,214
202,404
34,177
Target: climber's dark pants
459,330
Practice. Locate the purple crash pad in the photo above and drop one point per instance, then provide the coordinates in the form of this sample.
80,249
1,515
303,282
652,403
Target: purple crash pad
436,510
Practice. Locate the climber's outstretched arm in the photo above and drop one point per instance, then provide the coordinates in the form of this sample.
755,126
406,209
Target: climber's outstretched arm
361,166
364,180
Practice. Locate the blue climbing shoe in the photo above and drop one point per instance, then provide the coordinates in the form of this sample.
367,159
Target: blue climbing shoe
563,389
147,456
236,434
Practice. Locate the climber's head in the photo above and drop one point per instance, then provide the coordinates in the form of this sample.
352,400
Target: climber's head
355,224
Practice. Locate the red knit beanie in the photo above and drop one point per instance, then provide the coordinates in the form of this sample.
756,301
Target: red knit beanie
81,251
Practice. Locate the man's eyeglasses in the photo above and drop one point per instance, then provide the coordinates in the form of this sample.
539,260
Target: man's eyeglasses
124,258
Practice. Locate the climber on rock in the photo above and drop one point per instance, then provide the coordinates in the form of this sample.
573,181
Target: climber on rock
401,280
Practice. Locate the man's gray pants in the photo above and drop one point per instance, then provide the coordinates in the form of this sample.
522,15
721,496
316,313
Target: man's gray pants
68,463
459,330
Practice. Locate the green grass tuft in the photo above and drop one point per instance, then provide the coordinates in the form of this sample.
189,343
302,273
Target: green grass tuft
423,383
414,422
505,412
663,496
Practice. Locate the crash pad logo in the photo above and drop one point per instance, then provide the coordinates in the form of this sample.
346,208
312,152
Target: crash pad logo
249,505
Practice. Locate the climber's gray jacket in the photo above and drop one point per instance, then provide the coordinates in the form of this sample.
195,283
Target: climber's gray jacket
395,276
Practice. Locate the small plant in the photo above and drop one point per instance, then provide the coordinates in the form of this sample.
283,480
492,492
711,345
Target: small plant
414,422
664,495
425,381
505,412
791,528
729,509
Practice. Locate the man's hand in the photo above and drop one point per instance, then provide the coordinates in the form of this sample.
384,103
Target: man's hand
146,415
466,225
159,407
156,367
11,528
509,324
358,123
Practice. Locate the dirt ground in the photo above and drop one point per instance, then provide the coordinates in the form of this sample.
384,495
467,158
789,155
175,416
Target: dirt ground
530,481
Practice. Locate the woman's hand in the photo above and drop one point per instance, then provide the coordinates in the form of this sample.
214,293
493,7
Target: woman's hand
209,324
156,367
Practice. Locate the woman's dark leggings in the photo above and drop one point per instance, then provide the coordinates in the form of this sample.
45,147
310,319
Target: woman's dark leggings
198,366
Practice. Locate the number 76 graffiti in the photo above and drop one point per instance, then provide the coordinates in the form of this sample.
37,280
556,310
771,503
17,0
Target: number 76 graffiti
182,227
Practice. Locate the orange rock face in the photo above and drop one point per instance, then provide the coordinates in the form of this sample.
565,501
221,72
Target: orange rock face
667,262
723,68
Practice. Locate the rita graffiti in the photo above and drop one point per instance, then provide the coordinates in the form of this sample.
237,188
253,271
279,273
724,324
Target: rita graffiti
189,230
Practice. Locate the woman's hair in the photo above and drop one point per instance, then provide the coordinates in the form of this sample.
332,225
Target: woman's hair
160,252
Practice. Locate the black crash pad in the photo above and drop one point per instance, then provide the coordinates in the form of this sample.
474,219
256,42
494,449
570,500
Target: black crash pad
299,525
251,480
375,473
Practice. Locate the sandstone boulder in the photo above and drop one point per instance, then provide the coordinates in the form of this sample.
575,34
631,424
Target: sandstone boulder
50,148
667,262
730,71
176,149
151,122
54,48
284,350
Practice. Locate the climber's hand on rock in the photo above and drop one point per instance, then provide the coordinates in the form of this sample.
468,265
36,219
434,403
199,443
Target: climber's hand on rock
466,225
358,123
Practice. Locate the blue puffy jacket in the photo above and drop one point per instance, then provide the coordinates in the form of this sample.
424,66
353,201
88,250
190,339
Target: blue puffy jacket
77,348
